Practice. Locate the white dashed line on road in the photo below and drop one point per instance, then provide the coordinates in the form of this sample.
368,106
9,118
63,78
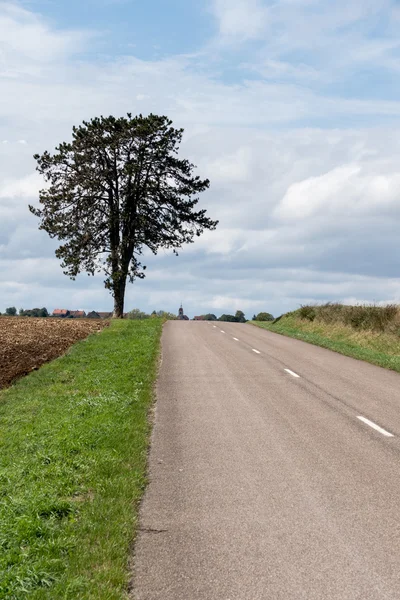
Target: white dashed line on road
215,327
222,331
236,340
292,373
256,351
375,426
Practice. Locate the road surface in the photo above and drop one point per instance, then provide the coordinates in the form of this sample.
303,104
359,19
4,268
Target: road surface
274,472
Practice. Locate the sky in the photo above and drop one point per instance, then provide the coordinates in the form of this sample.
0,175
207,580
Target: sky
290,107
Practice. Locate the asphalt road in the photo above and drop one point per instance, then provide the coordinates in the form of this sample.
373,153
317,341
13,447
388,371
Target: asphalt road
265,485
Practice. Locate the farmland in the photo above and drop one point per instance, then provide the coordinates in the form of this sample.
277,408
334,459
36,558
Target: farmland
27,343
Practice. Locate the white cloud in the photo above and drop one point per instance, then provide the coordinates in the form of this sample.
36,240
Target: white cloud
27,37
307,213
26,187
344,191
240,19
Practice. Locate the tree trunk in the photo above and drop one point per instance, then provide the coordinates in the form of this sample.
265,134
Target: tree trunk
119,298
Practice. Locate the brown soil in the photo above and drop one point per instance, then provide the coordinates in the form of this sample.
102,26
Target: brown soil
27,343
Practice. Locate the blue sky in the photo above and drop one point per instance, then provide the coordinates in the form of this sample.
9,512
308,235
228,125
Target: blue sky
290,107
149,29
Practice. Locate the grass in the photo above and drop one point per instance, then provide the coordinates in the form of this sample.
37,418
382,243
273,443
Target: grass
73,452
368,333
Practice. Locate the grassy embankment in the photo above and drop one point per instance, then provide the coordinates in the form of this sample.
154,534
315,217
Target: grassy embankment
73,450
369,333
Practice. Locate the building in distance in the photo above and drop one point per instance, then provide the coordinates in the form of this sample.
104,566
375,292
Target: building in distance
181,315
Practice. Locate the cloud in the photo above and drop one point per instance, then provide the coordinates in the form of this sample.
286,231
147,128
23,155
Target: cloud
26,187
304,177
350,190
240,19
27,37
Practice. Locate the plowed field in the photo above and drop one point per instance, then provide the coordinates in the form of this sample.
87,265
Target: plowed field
27,343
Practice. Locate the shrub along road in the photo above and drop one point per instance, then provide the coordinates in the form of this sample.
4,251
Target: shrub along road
273,472
73,449
373,336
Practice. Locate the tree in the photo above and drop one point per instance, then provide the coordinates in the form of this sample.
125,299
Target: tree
11,311
34,312
116,189
162,314
210,317
239,316
263,316
228,318
137,314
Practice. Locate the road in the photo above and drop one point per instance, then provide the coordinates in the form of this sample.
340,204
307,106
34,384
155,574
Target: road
265,483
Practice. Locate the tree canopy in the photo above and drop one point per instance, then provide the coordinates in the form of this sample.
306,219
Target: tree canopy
239,317
34,312
119,187
263,316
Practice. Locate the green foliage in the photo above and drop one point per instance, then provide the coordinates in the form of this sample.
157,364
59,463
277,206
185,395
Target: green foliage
137,314
210,317
239,317
364,317
34,312
162,314
307,312
73,467
228,318
263,316
115,190
11,311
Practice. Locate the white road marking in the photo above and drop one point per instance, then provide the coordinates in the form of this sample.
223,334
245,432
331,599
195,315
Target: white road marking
292,373
375,426
222,331
236,340
215,327
256,351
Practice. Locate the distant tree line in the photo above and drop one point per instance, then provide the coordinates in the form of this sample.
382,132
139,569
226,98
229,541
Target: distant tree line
238,317
11,311
137,314
34,312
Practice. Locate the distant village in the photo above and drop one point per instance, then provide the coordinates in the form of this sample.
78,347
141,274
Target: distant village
64,313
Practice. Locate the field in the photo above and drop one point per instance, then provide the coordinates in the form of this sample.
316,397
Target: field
27,343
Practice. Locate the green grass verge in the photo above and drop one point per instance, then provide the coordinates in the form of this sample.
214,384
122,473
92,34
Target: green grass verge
73,453
380,349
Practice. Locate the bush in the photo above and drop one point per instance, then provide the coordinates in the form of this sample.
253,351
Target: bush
362,317
307,313
263,316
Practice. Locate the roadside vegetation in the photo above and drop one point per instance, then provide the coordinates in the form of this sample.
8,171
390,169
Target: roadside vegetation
366,332
73,450
137,315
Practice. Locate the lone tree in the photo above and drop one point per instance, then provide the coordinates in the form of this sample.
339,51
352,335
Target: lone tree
119,187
